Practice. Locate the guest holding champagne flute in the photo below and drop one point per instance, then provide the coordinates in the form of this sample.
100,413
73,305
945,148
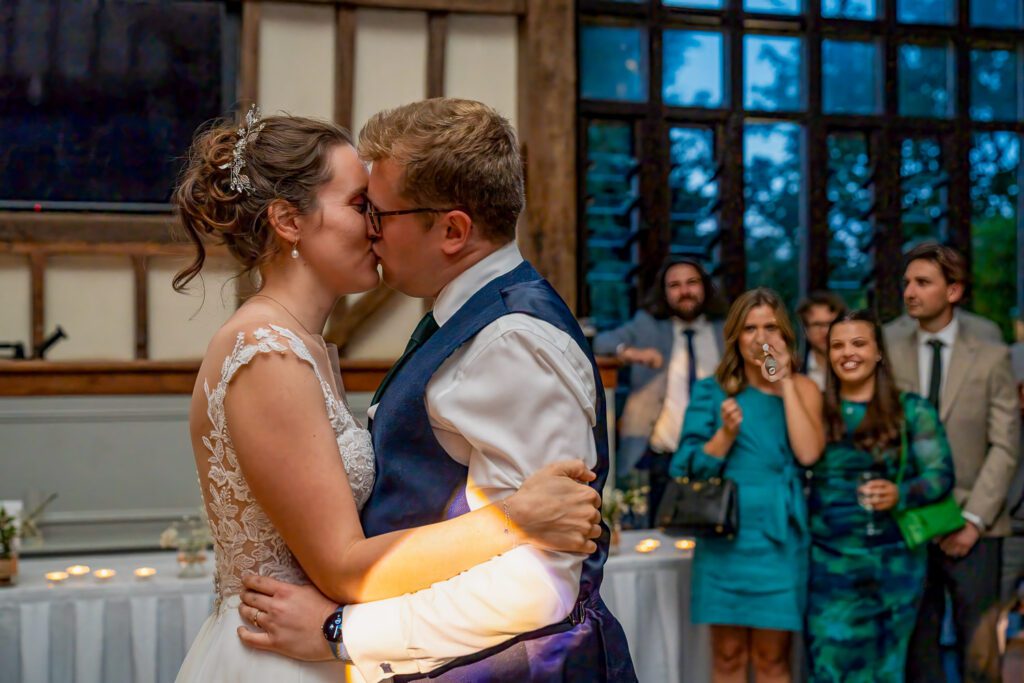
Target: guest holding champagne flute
761,422
865,583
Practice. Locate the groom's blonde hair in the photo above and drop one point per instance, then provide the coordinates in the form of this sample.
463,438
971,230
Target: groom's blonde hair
455,154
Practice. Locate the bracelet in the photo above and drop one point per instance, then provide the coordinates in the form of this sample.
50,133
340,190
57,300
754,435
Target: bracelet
508,524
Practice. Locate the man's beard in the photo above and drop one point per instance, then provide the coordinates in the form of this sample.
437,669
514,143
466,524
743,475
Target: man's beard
696,308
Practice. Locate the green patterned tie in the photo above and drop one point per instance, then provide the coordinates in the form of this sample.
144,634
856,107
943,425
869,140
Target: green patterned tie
424,331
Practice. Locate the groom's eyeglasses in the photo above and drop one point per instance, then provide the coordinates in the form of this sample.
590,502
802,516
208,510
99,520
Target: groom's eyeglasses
374,215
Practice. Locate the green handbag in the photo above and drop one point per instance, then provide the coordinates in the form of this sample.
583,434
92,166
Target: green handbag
920,525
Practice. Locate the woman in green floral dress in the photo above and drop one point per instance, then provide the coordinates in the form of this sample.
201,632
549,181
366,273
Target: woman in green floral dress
865,583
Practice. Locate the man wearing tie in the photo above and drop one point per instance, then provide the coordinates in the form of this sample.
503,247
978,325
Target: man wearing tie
945,358
670,344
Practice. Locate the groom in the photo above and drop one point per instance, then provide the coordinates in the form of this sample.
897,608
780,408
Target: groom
500,383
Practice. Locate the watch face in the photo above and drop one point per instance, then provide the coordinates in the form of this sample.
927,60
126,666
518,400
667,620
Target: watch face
332,627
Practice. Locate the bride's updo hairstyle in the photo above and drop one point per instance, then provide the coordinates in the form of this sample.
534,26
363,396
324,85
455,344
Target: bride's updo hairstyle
286,160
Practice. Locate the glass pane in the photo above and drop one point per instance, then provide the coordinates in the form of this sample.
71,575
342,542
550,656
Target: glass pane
773,189
995,163
926,81
993,85
850,196
774,6
926,11
849,9
772,73
99,100
693,69
996,13
693,186
613,63
924,185
851,73
611,220
699,4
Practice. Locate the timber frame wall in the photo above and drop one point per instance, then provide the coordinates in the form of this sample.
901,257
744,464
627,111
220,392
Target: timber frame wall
547,127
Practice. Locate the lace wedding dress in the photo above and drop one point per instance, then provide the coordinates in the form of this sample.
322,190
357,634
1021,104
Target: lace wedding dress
244,539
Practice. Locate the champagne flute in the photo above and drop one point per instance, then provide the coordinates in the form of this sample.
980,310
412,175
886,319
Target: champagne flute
866,502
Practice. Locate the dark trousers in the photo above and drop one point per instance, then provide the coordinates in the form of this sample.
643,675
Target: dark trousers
658,481
973,586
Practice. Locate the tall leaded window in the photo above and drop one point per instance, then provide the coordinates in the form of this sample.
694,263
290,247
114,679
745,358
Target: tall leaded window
799,145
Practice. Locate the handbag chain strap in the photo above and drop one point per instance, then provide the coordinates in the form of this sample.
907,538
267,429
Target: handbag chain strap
903,441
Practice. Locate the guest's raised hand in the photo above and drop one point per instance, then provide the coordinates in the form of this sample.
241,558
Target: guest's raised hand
732,417
649,357
290,618
783,360
554,511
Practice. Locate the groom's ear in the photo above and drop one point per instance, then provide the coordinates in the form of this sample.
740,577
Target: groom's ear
458,230
281,215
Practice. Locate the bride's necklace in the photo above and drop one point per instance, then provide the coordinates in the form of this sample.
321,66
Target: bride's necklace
294,317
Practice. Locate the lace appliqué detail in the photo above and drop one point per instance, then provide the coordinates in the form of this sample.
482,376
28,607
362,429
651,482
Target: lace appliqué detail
244,539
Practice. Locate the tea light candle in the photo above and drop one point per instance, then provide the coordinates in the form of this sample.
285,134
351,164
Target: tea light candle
686,544
143,573
104,574
77,571
56,577
647,545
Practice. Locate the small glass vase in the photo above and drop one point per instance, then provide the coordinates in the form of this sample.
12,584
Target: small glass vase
615,542
191,564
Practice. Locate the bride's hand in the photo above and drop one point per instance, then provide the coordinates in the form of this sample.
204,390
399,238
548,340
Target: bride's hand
555,511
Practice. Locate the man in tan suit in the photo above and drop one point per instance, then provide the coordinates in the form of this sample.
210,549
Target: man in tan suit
947,358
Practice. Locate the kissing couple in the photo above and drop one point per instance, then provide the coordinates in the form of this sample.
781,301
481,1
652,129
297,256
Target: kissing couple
460,537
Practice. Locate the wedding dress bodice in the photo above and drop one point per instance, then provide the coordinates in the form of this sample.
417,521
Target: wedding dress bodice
244,539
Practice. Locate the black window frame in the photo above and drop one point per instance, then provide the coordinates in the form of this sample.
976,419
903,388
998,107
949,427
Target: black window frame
884,131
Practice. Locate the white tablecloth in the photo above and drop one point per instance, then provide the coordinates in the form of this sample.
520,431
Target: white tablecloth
130,631
82,631
650,595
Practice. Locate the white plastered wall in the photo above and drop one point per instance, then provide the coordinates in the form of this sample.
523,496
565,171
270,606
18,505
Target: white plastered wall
297,59
181,325
16,311
93,299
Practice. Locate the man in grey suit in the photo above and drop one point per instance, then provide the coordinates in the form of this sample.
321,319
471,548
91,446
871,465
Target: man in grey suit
669,345
947,358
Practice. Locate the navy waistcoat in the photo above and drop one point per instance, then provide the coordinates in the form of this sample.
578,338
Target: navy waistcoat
418,483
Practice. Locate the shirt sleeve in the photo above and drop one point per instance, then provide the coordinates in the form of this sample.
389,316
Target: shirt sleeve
521,398
702,421
929,472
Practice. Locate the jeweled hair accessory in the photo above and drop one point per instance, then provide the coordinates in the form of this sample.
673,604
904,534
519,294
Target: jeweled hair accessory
246,134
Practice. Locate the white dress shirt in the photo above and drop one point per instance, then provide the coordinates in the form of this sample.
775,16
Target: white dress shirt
668,427
814,371
517,396
947,335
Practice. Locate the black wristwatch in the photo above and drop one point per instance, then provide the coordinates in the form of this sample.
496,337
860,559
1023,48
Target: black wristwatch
332,632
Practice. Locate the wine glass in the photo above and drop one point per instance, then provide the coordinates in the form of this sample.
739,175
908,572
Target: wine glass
866,502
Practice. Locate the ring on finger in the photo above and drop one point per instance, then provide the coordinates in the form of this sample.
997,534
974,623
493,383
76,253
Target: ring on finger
256,618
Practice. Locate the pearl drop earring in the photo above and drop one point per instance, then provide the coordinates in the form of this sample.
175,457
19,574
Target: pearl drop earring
295,250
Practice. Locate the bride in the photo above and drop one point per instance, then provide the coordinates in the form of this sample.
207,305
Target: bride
283,466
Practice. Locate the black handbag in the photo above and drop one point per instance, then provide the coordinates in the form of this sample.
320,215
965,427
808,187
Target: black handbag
702,508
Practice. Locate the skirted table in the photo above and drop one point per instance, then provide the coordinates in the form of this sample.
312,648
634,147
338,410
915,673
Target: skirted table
127,630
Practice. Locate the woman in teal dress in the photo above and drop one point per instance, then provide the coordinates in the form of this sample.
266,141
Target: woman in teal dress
761,429
865,583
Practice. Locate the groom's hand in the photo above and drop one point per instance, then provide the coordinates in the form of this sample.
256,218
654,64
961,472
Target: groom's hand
290,618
